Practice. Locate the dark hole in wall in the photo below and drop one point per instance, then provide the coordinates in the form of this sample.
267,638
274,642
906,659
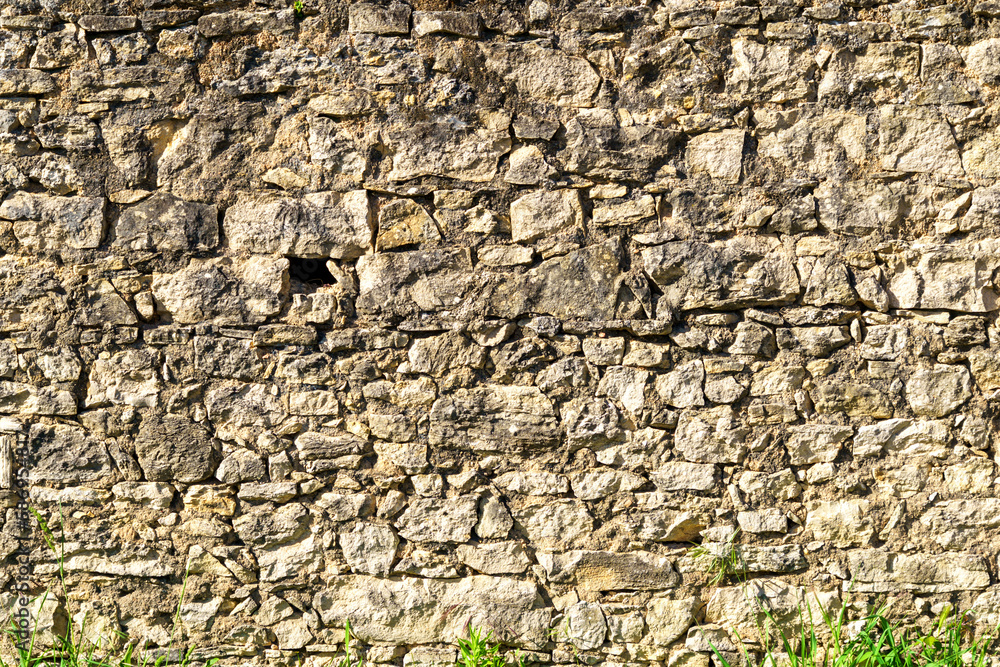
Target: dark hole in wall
309,270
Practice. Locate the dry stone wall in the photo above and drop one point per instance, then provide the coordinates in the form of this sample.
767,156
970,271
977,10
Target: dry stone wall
417,316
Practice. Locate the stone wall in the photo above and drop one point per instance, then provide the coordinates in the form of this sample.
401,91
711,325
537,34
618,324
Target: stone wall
481,312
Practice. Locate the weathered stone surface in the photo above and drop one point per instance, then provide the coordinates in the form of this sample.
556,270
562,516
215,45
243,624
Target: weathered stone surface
166,223
463,24
598,145
369,17
824,145
494,418
171,448
243,412
606,571
739,609
948,277
495,558
544,213
66,454
403,222
858,208
855,400
668,620
678,475
880,571
556,524
586,625
226,358
596,484
223,290
449,149
321,224
713,436
544,73
486,314
585,284
718,154
438,520
683,387
369,549
938,391
902,436
741,272
129,377
438,355
918,139
413,610
845,523
407,282
42,222
773,73
816,443
960,524
25,82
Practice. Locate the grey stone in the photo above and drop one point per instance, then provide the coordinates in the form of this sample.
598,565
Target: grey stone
494,521
607,571
874,571
556,524
712,436
438,519
741,272
718,154
936,276
938,391
495,558
494,418
407,282
223,290
586,627
42,222
403,222
440,354
226,358
129,377
918,139
544,73
412,610
544,213
669,620
25,82
369,549
770,73
369,17
268,529
463,24
172,448
243,412
816,443
683,387
320,224
66,454
583,284
448,149
844,523
166,223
